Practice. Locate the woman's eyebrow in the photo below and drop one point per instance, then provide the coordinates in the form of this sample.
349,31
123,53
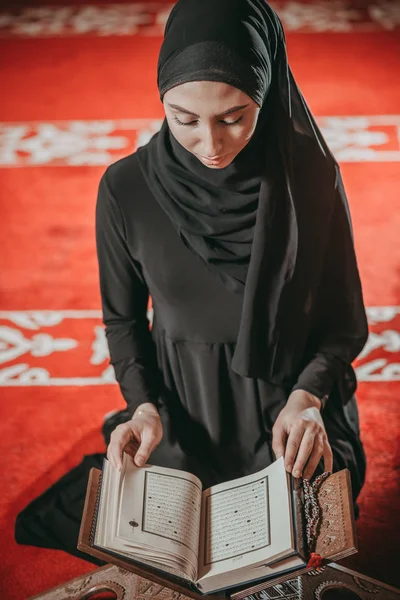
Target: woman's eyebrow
226,112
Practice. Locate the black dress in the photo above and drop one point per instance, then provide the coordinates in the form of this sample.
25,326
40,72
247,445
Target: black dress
217,424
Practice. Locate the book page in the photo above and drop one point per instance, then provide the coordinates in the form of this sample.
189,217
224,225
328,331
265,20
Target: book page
239,521
246,522
170,507
107,511
165,515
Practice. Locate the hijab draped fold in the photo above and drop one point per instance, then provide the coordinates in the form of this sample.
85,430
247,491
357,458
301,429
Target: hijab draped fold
256,222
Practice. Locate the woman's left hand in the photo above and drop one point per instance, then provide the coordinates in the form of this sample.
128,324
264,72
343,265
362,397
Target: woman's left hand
299,435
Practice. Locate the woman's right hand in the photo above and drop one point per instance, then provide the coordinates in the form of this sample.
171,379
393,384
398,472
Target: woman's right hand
137,437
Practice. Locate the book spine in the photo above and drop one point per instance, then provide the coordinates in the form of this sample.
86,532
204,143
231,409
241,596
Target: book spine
299,518
95,512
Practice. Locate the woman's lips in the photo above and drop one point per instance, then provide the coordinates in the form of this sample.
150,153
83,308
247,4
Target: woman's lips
215,160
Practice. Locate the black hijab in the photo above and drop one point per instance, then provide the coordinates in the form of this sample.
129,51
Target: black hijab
214,210
242,221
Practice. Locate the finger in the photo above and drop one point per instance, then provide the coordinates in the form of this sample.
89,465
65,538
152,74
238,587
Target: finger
279,437
315,457
111,455
304,452
110,458
328,456
131,448
120,437
148,442
292,446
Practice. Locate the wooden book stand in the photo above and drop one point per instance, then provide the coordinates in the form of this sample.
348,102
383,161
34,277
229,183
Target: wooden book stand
330,582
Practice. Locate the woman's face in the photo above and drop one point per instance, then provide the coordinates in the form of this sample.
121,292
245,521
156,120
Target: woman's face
212,120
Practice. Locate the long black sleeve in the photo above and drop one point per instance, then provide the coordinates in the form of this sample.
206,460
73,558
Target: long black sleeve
124,297
340,328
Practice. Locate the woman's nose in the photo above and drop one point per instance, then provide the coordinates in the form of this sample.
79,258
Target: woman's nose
211,143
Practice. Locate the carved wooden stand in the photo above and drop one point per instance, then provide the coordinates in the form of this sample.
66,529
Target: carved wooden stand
330,582
124,584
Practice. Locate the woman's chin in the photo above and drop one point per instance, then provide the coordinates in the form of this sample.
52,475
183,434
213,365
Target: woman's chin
220,163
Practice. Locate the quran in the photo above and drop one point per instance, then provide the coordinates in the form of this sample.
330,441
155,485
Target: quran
158,520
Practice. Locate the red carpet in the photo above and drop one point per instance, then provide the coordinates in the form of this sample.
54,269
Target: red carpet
80,92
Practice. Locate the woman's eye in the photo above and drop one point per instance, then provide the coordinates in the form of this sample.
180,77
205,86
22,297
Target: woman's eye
184,124
232,122
194,123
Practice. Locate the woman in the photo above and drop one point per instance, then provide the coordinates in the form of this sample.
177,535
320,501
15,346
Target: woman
234,220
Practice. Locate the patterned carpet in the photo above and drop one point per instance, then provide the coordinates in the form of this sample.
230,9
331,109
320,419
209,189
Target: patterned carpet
79,91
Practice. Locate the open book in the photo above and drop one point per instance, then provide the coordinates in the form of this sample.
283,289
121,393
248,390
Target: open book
233,533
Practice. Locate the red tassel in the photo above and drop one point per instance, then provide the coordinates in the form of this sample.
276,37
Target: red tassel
315,561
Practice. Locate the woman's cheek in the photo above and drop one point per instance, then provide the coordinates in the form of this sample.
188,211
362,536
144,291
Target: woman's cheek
242,138
188,140
185,138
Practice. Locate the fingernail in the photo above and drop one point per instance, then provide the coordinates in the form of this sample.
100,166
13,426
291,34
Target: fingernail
296,473
139,461
289,468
